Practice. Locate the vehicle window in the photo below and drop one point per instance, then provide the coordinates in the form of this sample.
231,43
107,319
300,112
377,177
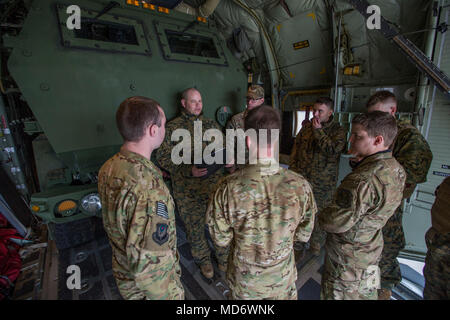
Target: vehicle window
194,45
106,31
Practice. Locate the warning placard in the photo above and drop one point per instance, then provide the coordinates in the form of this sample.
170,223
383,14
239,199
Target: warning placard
301,45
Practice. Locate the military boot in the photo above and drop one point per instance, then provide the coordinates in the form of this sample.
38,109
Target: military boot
384,294
207,270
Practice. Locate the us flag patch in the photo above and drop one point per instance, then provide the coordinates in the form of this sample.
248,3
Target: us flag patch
161,210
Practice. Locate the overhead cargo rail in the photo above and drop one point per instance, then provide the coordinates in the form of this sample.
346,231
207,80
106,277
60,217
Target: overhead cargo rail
414,54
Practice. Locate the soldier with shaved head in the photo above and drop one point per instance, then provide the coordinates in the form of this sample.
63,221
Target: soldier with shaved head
192,185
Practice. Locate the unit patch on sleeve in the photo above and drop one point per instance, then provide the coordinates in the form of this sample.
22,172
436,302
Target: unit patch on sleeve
161,210
160,236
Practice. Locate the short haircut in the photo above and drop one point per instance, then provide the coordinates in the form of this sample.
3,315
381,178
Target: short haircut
378,123
134,115
326,101
185,93
263,117
383,97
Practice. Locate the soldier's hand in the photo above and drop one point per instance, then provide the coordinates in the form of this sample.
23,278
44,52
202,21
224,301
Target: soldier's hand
316,123
199,172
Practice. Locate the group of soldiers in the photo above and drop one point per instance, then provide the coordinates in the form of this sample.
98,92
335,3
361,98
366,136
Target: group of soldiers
256,214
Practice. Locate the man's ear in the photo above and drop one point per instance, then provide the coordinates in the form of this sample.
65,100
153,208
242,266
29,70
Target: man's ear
393,109
152,130
379,141
183,103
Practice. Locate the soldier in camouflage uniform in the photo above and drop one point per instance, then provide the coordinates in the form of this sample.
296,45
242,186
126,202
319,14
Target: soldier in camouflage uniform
315,155
437,263
191,187
138,210
412,151
255,98
261,210
363,203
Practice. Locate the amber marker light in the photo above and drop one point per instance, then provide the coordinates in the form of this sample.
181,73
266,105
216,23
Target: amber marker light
66,205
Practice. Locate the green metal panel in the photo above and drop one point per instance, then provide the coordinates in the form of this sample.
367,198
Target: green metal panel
74,92
74,81
301,42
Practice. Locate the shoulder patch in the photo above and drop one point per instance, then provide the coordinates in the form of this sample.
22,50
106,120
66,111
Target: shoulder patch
161,210
160,236
344,198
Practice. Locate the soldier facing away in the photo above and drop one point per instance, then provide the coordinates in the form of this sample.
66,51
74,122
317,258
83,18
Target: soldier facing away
260,210
191,185
437,263
137,208
362,204
412,151
315,155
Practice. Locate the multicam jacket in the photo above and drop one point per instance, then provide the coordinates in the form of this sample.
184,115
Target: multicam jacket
362,204
261,210
138,216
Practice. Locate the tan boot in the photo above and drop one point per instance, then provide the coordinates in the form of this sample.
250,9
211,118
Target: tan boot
207,270
384,294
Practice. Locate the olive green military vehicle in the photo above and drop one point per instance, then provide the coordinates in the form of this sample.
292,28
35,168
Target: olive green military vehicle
67,64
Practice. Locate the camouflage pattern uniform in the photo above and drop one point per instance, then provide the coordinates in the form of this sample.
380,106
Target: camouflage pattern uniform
237,122
138,216
191,193
437,262
315,155
361,206
260,210
412,151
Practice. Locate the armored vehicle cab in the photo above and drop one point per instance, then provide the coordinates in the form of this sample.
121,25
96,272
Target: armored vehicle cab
74,78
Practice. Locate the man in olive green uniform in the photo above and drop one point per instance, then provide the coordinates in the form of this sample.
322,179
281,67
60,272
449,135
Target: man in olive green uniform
255,98
363,203
437,263
412,151
191,185
261,210
315,155
137,208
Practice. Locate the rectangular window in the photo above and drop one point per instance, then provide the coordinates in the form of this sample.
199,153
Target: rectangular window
299,117
191,44
106,31
111,33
